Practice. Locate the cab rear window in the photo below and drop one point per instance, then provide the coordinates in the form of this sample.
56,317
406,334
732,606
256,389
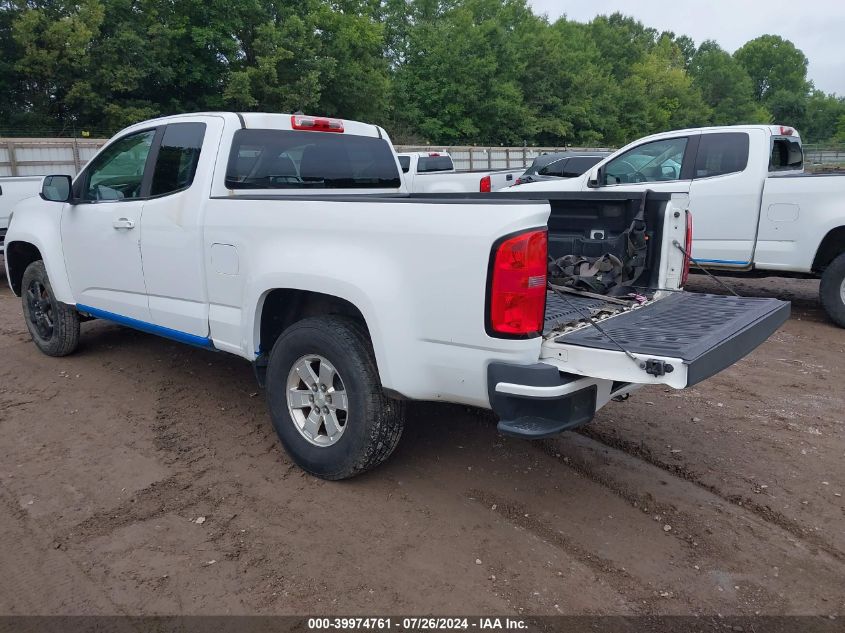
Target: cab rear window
287,159
787,155
434,163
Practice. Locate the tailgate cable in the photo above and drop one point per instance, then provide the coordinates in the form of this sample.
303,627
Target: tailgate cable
592,322
703,269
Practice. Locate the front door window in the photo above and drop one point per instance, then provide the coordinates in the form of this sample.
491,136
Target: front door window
118,172
658,161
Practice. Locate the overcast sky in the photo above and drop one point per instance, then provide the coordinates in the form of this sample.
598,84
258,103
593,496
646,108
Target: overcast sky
817,27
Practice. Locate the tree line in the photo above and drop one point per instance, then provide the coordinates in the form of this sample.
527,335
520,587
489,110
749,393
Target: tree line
429,71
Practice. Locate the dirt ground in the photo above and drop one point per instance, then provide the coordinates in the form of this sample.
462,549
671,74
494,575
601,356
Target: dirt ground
725,498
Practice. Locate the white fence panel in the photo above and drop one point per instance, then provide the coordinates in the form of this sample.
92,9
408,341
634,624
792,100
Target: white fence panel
488,158
35,157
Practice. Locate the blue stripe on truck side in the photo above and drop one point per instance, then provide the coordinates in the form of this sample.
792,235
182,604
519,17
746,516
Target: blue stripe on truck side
151,328
722,261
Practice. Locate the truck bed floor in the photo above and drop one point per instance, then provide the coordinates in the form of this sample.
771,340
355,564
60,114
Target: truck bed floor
560,312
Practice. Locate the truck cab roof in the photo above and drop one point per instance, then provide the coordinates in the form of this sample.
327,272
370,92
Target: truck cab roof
271,121
771,130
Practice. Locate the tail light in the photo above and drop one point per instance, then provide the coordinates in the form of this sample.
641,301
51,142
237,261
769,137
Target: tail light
315,124
485,186
517,301
688,249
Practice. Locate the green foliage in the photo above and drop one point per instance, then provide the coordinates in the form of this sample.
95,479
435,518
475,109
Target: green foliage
725,87
658,94
457,79
822,116
442,71
840,130
774,64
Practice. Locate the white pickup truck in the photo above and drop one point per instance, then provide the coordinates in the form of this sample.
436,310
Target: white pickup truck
292,242
756,211
13,189
434,172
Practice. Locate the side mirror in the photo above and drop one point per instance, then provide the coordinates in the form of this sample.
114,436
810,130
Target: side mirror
595,177
405,170
56,188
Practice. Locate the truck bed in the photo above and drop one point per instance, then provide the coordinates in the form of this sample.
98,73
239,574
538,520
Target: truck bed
570,312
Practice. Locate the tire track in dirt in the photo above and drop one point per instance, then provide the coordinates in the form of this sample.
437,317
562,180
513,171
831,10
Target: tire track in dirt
643,453
618,578
38,574
642,501
174,494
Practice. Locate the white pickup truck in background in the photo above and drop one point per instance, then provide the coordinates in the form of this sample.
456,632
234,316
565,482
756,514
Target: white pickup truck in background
756,212
292,242
434,172
13,189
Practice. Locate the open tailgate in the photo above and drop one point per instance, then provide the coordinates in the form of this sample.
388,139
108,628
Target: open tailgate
678,340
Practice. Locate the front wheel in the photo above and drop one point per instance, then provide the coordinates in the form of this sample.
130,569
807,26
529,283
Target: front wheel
326,399
54,326
832,290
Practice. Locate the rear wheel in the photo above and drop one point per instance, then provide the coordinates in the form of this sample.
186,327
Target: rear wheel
326,400
832,290
54,326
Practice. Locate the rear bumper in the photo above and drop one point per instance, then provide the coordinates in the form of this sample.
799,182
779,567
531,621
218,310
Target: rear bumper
537,401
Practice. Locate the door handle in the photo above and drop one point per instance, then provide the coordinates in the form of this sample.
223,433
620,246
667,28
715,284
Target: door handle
123,223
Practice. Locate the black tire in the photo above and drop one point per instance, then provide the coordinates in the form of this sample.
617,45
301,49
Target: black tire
54,326
832,290
374,423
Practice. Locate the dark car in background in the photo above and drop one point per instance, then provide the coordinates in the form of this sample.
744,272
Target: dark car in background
560,165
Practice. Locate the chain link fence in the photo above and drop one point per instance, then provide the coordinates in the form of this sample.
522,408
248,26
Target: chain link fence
824,157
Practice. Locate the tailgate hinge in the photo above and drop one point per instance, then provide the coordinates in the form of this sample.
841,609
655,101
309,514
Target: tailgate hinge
657,367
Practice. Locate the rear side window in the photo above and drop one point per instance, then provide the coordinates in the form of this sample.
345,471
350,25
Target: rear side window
177,159
578,165
786,155
290,159
434,163
556,168
405,163
722,153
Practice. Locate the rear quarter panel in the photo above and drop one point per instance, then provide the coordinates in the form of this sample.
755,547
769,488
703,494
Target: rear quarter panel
796,213
416,270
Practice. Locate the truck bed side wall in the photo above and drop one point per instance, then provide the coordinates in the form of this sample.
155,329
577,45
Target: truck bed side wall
797,212
416,270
